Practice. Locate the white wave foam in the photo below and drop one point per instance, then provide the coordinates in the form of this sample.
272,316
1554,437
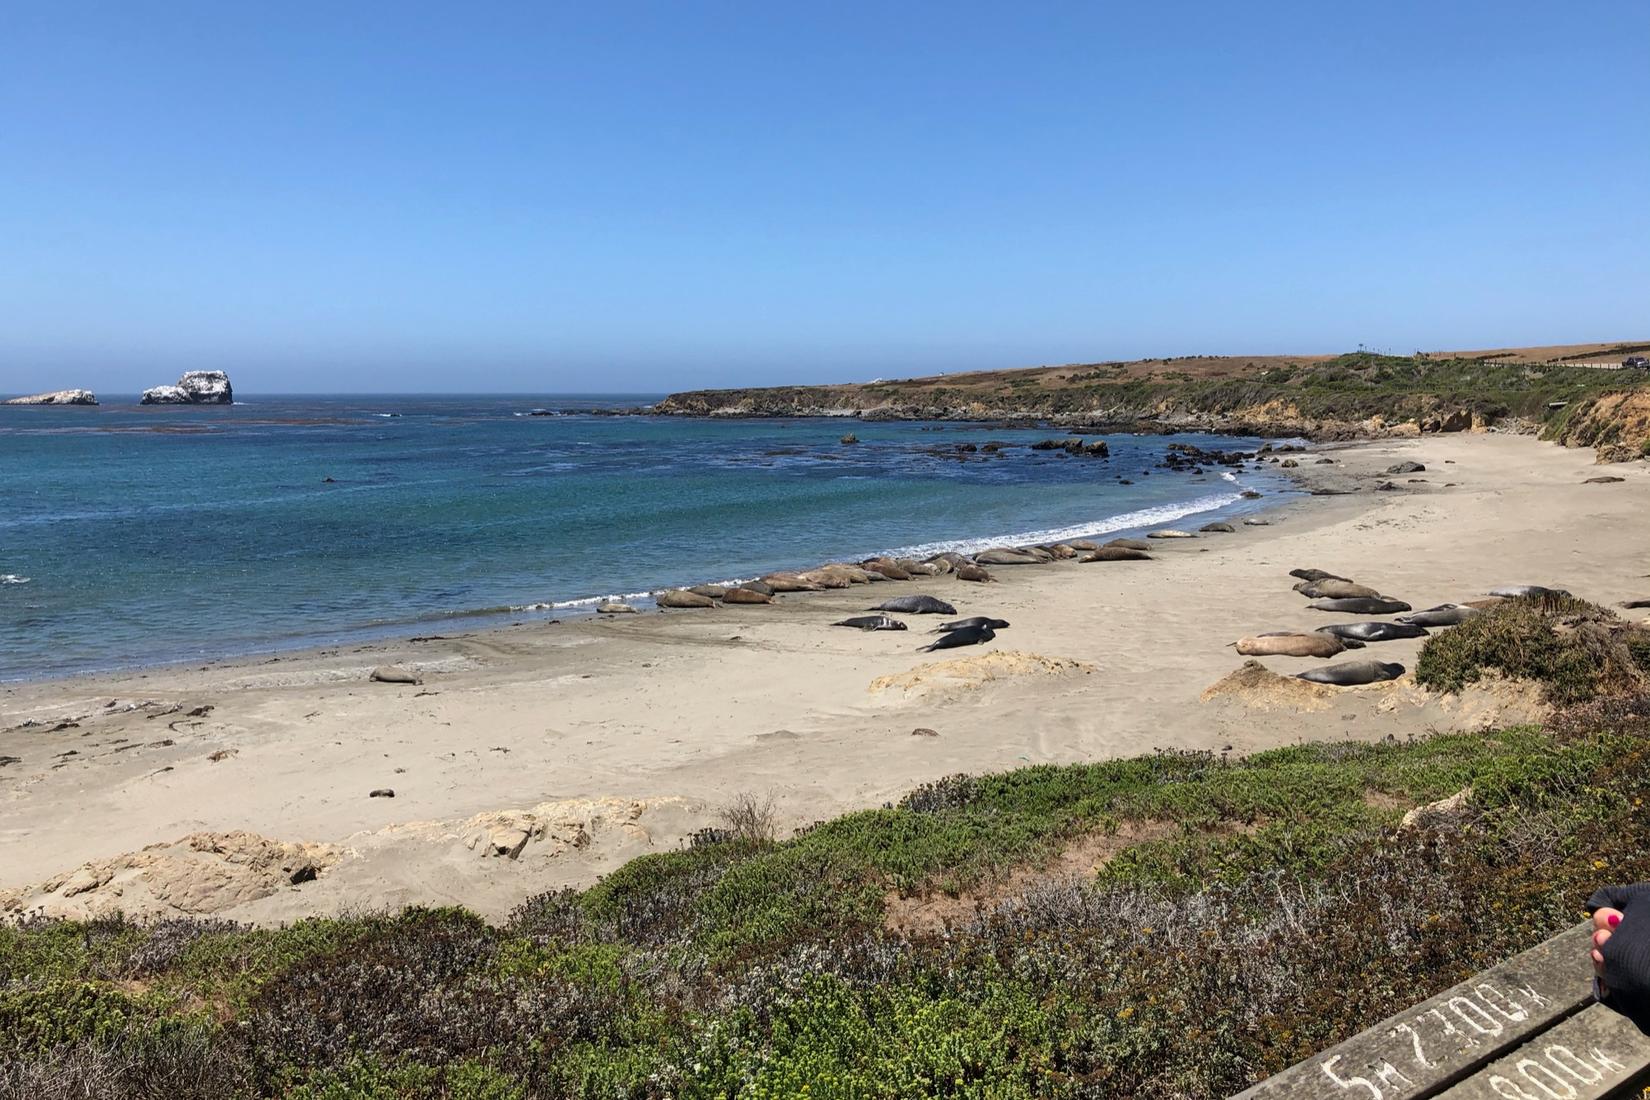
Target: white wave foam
12,578
1228,475
1145,517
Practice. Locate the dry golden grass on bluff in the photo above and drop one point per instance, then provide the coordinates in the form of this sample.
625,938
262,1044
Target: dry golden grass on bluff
1359,395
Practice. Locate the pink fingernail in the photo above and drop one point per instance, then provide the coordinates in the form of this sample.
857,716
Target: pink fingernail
1614,919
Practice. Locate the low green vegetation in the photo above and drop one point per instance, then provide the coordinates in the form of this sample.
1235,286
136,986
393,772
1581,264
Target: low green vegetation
1228,919
1577,651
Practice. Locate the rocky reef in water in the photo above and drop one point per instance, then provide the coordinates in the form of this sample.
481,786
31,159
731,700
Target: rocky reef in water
56,397
196,387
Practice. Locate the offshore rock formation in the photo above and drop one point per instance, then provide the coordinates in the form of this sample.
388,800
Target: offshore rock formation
196,387
57,397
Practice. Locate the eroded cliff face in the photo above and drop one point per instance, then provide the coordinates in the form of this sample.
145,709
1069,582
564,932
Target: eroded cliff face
1616,424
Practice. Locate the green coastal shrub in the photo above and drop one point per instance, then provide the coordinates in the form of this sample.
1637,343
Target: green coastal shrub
1577,651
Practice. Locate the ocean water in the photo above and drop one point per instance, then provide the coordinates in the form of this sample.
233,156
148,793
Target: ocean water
133,536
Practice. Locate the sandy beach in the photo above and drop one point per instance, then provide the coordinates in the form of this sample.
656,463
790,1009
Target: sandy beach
545,755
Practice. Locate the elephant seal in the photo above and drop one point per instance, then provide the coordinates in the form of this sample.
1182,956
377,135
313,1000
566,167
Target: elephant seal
681,597
968,571
746,595
714,591
1128,544
1447,614
825,578
1354,672
971,621
938,566
915,605
951,556
872,622
1083,544
1315,575
1253,522
1374,632
1361,606
1218,528
1062,551
1043,556
1116,553
1291,645
887,568
1336,590
393,674
1633,604
1512,591
1004,555
972,635
1170,533
788,582
614,607
923,568
752,586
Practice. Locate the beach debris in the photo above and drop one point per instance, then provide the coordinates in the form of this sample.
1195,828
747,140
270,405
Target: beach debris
915,605
382,792
1406,468
1631,604
1250,494
1386,487
222,754
924,731
971,621
613,607
682,598
872,622
1115,553
954,639
1170,533
746,596
1218,528
8,760
394,674
1513,591
1603,479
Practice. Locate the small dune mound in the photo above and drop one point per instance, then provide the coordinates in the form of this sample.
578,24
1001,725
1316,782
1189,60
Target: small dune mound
198,874
962,674
547,830
1254,685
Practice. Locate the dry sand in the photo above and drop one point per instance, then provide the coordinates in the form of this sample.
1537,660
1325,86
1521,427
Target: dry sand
546,755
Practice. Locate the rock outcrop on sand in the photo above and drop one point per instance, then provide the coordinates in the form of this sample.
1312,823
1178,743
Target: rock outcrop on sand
196,387
56,397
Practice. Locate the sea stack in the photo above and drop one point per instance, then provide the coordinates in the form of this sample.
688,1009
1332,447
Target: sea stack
58,397
196,387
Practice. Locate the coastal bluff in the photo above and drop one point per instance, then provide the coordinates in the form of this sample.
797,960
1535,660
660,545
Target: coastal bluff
196,387
56,397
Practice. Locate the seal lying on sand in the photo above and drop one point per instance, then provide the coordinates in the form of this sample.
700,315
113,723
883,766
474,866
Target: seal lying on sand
968,571
1218,528
788,582
887,568
681,597
1170,533
1336,590
746,595
826,578
392,674
872,622
1361,606
753,586
1293,645
1447,614
1354,672
714,591
1315,575
972,620
1006,556
1116,553
1374,632
915,605
1511,591
1631,604
973,635
1128,544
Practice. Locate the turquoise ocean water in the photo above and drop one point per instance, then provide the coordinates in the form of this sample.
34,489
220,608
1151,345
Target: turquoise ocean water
133,536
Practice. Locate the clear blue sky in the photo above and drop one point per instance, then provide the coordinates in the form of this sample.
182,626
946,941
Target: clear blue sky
648,196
